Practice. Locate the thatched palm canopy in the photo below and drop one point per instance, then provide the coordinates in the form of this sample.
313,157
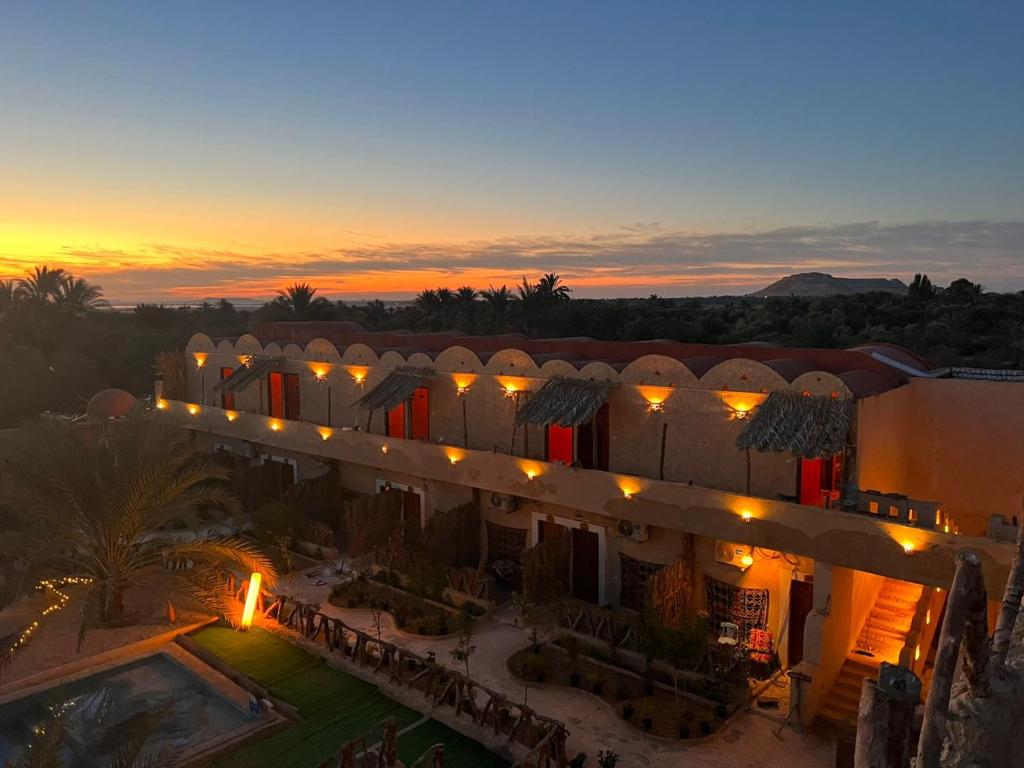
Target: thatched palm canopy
564,401
395,389
789,422
246,374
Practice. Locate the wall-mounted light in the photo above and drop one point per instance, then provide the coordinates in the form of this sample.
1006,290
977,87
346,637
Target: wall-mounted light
320,374
511,391
461,389
655,406
251,596
325,433
908,548
384,449
161,404
200,358
746,515
275,425
230,415
746,561
192,408
530,474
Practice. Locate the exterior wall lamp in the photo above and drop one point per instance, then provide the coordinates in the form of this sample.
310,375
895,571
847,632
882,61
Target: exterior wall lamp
656,406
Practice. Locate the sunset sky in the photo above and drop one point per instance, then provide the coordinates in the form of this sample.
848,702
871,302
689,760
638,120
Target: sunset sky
176,151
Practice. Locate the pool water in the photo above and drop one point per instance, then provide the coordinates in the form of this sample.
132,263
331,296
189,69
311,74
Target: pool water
103,712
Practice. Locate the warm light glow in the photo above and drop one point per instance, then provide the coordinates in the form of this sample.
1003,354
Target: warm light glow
161,404
454,455
384,449
200,358
741,404
655,397
320,373
917,653
747,560
460,390
908,547
655,407
325,433
250,600
230,415
629,487
275,425
530,474
358,374
511,385
928,616
746,515
462,382
192,408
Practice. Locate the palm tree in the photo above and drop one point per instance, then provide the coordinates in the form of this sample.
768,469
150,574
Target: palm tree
79,296
93,510
302,303
498,299
42,285
8,296
466,294
549,286
527,291
445,296
426,300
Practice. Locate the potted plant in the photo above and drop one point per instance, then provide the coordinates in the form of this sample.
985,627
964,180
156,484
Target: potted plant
596,682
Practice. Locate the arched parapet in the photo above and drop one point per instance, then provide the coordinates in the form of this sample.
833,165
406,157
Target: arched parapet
598,371
248,344
553,368
511,362
323,351
359,354
821,383
225,347
420,360
740,374
458,360
392,359
201,343
658,371
273,349
294,352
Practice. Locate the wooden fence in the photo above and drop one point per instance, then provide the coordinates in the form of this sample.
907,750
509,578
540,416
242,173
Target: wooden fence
543,736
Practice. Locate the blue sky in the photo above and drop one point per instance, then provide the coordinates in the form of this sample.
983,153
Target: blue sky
165,149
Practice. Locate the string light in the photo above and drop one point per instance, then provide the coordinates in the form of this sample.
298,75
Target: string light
62,599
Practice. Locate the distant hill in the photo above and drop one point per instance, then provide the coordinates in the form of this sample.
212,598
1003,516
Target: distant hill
821,284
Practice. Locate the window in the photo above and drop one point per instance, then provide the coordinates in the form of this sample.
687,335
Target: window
283,395
227,399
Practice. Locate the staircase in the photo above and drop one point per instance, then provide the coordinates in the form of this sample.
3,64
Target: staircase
881,639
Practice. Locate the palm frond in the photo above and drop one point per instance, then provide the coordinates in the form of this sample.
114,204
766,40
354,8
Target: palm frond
226,550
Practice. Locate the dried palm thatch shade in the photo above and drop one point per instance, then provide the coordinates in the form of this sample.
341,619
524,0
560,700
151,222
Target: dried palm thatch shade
247,373
395,389
569,402
789,422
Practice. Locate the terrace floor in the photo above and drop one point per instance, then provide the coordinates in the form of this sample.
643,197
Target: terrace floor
749,740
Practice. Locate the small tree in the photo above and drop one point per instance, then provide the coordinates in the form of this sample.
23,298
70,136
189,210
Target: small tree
377,623
606,758
464,648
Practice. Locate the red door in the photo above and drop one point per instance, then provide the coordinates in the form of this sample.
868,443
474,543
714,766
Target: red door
819,480
560,443
420,414
275,395
396,421
227,399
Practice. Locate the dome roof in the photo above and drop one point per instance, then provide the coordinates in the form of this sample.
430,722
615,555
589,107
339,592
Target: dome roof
110,404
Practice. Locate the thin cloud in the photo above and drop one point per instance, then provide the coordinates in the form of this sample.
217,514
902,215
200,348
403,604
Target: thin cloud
638,258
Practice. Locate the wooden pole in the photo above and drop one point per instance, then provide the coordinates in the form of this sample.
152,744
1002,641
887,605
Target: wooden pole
1011,603
661,456
967,583
872,727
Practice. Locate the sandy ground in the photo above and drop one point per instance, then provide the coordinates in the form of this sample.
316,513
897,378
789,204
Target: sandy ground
55,642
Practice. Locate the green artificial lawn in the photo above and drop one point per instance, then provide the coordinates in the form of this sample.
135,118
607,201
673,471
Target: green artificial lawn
333,705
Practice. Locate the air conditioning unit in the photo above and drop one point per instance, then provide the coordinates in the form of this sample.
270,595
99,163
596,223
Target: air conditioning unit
504,502
631,529
730,553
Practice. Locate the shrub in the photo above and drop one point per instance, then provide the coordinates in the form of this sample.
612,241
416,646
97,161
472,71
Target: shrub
571,645
623,691
595,680
628,710
705,727
645,711
607,758
684,731
536,667
721,711
579,761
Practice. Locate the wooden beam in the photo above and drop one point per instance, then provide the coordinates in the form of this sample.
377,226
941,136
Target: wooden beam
1012,596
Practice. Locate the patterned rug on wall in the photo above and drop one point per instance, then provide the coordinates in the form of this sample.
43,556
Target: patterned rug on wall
747,608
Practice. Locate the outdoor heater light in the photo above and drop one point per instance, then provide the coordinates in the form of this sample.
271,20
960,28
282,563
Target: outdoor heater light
250,600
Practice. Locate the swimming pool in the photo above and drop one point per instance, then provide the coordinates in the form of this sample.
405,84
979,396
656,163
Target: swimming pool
103,711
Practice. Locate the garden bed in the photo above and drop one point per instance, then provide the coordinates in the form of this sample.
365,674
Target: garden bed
649,705
412,614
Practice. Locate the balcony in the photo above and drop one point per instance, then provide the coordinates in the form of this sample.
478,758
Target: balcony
863,542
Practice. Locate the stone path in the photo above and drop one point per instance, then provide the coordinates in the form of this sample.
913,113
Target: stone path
747,741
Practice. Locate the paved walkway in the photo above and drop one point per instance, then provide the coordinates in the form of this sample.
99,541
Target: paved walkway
746,741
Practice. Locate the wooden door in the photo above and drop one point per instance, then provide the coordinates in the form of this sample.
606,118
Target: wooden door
396,421
585,565
801,601
560,444
421,414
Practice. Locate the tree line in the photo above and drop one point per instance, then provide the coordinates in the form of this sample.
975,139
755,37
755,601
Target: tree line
60,342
